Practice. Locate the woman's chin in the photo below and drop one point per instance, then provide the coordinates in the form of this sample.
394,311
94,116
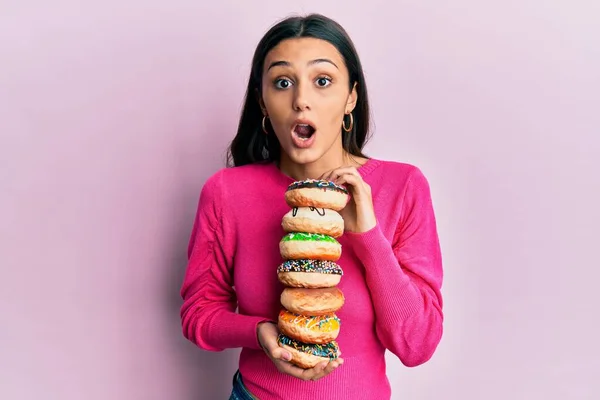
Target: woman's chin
304,156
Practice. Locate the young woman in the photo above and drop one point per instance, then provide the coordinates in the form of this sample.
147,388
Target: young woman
306,116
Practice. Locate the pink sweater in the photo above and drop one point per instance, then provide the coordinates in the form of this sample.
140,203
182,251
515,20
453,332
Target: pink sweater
391,283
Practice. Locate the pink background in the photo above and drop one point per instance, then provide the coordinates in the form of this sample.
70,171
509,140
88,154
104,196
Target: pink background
112,115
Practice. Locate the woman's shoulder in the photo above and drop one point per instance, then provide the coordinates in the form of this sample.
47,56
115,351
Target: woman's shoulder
392,170
254,171
243,177
395,180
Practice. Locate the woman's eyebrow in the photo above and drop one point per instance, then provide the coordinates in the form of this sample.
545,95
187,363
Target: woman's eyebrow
312,62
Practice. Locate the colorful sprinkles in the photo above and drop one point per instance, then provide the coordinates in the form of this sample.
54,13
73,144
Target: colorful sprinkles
308,237
329,350
308,265
325,323
317,183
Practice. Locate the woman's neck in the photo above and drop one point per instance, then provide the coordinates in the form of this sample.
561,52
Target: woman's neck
316,169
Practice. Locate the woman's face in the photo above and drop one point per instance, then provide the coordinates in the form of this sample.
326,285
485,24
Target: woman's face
305,93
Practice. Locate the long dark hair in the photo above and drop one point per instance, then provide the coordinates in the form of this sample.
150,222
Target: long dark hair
251,144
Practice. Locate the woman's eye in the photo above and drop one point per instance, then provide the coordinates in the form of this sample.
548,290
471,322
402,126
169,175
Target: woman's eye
323,82
282,83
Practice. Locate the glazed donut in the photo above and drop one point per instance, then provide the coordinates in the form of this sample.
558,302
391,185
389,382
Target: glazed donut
316,329
314,220
316,246
307,355
312,302
309,273
316,193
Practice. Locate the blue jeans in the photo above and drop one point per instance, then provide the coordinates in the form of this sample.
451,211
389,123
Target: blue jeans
239,391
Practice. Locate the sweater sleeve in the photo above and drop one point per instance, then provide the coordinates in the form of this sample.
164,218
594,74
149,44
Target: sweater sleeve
209,301
404,277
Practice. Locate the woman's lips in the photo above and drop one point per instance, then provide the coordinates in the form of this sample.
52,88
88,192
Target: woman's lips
303,135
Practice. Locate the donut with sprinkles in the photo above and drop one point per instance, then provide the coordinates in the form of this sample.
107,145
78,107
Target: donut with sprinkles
307,273
320,329
317,193
308,355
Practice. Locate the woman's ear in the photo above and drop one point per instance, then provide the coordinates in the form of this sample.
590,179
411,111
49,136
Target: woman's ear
261,103
352,99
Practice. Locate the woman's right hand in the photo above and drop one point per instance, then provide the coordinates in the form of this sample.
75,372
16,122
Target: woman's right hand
267,337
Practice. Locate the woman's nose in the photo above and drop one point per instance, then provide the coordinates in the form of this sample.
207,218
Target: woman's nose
301,98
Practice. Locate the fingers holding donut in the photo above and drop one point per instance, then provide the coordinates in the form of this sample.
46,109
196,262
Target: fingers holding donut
359,213
351,178
282,356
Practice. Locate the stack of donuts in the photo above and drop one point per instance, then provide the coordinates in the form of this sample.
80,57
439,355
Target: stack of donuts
308,323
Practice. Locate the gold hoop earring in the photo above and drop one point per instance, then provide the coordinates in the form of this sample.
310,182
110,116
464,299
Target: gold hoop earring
264,120
351,123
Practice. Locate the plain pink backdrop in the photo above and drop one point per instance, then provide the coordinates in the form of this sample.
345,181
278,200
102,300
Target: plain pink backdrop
112,115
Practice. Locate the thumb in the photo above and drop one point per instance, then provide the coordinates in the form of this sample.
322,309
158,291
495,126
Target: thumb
281,354
270,345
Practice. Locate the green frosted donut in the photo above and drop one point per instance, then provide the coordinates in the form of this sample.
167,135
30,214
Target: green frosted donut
308,237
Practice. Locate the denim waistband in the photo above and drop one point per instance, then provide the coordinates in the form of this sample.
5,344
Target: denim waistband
239,391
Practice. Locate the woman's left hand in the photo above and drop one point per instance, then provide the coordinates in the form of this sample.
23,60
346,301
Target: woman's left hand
359,215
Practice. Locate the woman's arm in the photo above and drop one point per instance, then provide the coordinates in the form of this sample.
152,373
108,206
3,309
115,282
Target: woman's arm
208,312
404,278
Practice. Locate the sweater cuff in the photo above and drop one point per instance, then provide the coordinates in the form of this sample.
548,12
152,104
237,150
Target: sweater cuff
236,330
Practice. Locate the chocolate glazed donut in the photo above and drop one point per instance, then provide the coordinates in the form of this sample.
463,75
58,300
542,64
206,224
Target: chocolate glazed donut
309,273
317,193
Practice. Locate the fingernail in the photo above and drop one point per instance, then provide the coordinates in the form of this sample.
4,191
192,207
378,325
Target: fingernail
287,356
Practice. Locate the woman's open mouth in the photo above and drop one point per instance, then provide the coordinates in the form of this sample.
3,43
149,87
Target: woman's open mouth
303,134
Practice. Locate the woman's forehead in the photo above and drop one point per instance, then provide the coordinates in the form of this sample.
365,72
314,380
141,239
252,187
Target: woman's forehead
303,51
